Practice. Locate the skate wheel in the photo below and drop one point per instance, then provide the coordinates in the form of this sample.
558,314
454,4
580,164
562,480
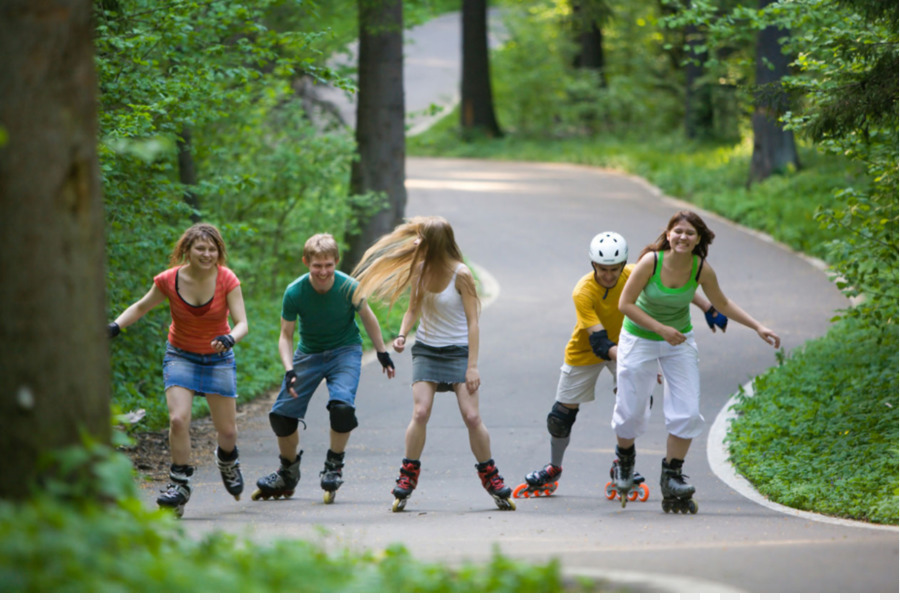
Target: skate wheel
328,497
693,507
633,495
399,504
520,490
510,505
624,500
645,492
237,497
610,491
256,495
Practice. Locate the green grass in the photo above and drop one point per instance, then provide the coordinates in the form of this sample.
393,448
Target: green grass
820,432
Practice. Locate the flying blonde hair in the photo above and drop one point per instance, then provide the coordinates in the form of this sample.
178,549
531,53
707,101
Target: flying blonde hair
396,261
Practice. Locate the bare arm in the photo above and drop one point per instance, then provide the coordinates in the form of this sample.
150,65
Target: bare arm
286,350
238,313
410,318
136,311
711,288
373,330
470,306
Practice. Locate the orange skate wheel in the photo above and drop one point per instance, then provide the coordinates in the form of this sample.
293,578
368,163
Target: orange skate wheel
610,491
645,492
519,491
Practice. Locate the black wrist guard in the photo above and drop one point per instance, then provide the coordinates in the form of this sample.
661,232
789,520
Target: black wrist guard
227,341
385,359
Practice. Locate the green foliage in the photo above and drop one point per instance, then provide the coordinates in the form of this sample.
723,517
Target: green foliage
87,531
821,431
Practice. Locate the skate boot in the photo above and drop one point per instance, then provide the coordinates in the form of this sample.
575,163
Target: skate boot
676,492
406,483
623,472
639,490
178,492
330,477
543,481
230,468
280,483
493,483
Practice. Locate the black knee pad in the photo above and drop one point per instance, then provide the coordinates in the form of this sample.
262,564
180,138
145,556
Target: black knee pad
281,425
560,420
342,416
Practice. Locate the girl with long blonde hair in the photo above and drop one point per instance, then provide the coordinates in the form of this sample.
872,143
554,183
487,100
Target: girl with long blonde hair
421,255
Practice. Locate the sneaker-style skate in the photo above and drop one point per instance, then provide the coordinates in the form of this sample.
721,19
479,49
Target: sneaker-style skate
406,483
178,492
281,483
493,483
330,476
230,470
543,481
639,490
676,492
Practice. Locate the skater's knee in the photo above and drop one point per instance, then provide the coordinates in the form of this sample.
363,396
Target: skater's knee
281,425
227,437
472,419
179,424
342,416
560,420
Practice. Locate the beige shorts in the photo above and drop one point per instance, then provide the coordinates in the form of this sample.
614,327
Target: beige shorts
576,384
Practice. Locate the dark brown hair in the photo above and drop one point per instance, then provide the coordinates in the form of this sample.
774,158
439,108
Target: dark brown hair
705,233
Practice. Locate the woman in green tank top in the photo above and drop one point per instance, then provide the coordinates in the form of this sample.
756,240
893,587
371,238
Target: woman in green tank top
657,334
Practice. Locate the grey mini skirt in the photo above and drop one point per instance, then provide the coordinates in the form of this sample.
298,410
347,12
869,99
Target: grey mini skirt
446,366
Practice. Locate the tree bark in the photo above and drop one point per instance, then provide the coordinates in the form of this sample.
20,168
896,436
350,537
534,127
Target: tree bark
187,172
774,150
589,38
54,365
477,101
380,127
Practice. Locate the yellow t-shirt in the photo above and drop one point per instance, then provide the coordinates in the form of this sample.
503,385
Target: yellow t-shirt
594,305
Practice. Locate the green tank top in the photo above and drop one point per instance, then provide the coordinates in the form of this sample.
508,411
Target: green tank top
669,306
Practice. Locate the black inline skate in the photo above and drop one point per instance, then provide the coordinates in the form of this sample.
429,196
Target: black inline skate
230,469
493,483
330,476
178,492
281,483
639,491
676,492
406,483
622,473
543,481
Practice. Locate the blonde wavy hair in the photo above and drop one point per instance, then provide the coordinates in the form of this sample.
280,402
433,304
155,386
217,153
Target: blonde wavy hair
397,262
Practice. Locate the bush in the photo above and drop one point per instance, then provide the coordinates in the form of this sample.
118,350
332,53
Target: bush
820,432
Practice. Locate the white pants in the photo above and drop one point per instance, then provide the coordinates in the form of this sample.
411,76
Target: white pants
638,363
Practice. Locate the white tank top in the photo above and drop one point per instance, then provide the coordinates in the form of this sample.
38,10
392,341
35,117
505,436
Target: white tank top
443,321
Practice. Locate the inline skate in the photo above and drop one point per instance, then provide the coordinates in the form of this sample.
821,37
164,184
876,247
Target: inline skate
281,483
330,476
543,481
178,492
406,483
230,469
639,490
493,483
676,492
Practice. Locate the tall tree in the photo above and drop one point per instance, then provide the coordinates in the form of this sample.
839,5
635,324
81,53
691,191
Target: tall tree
380,127
477,100
698,104
587,17
774,150
53,352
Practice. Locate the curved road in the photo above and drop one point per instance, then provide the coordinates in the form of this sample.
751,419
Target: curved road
527,226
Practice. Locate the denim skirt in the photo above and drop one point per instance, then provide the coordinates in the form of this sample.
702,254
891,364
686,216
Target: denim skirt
446,366
201,373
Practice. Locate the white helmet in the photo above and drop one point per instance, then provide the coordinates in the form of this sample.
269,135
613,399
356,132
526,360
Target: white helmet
608,248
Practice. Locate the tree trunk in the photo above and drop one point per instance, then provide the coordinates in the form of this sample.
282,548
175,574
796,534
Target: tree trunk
54,365
589,38
774,150
698,107
187,172
477,104
380,127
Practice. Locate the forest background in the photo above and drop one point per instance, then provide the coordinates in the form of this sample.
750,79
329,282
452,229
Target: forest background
209,111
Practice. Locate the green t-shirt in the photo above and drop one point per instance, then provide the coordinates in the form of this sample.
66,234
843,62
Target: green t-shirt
326,321
669,306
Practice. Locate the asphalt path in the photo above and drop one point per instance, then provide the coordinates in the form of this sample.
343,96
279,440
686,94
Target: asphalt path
526,228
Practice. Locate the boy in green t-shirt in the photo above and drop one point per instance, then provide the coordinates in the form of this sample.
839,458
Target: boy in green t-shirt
330,349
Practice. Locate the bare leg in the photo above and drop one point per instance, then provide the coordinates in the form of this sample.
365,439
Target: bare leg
179,400
479,438
423,400
223,411
677,447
